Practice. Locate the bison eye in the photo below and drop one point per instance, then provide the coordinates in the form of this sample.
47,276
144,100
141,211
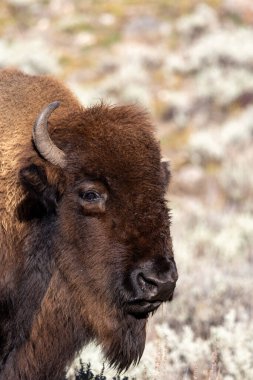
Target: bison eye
90,196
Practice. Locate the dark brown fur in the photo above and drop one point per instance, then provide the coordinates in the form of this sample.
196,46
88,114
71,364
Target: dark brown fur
64,271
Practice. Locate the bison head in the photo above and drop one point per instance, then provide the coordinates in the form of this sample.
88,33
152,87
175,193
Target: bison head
101,177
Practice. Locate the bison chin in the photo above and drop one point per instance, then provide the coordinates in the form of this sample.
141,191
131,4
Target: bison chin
126,344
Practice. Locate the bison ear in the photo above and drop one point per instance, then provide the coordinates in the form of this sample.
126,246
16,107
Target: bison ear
166,174
43,192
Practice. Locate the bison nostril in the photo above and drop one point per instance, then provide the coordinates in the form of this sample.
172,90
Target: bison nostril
146,284
153,282
153,286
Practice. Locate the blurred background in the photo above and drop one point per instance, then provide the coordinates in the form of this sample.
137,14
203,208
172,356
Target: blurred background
190,63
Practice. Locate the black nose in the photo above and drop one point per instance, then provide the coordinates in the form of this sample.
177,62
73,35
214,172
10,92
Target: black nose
156,285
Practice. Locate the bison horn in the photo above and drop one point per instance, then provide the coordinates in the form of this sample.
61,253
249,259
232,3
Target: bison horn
42,140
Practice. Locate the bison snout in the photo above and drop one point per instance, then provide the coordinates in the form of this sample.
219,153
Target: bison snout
155,285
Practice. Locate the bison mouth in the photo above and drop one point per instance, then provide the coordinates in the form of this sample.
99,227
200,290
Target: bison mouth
142,308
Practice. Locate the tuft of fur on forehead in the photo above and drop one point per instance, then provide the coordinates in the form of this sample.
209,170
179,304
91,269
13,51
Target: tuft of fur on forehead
111,140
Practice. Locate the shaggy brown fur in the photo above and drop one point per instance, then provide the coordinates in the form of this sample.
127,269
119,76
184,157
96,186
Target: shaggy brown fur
65,264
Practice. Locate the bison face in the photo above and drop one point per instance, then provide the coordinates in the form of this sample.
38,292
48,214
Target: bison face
111,234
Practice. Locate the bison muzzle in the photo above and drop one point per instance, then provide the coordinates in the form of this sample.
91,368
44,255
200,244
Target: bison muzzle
85,247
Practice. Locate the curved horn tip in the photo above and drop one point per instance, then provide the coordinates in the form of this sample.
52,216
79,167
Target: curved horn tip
42,139
54,105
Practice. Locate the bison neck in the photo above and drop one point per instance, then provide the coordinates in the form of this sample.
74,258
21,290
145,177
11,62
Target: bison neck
54,338
28,281
38,333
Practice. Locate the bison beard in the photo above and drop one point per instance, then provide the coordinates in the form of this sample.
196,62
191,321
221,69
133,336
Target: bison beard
85,247
127,343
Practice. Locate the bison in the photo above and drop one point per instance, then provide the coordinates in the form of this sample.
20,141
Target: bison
85,246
